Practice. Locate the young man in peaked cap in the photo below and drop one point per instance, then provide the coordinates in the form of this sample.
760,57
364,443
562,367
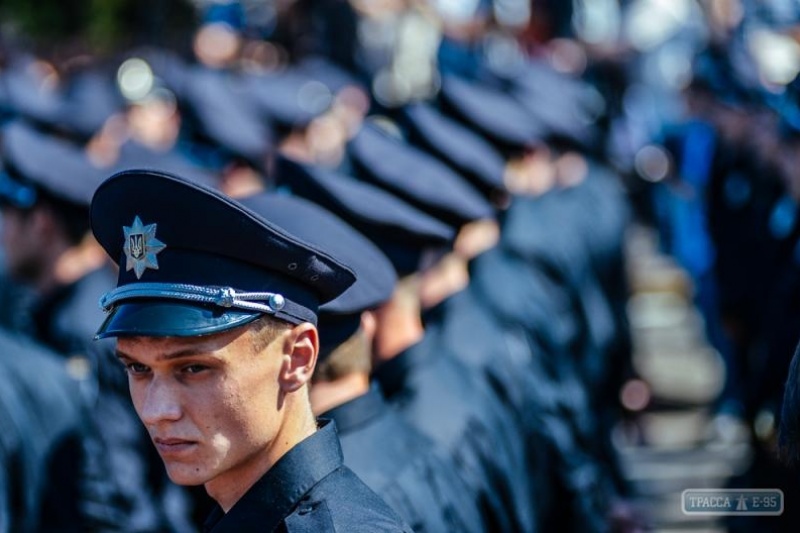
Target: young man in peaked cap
215,313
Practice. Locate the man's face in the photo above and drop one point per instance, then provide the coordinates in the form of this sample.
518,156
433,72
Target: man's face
211,404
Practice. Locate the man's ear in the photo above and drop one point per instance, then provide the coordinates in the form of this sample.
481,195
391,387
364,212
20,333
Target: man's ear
300,348
369,324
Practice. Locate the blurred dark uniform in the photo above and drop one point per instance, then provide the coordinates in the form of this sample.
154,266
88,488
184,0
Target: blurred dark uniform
482,326
429,388
548,402
403,466
53,474
556,284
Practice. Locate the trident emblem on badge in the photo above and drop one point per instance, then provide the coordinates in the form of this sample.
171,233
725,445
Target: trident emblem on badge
141,247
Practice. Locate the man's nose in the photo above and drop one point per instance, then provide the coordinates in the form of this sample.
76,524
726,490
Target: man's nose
161,402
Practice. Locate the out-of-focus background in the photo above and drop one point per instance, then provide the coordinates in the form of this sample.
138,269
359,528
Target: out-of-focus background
692,107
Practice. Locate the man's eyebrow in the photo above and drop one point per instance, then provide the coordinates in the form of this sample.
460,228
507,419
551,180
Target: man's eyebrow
188,352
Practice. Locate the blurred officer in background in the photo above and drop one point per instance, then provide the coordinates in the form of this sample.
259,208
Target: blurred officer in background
218,338
557,279
415,369
47,186
524,369
53,471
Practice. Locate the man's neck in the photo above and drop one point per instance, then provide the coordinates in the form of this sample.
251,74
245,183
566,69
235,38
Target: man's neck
326,395
399,331
229,487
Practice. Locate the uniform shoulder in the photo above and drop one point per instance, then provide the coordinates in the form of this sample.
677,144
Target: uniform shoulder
342,502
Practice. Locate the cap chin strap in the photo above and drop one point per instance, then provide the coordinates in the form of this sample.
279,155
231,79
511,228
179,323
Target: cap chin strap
225,297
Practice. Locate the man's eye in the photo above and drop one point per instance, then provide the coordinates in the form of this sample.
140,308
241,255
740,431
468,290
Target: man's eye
194,369
136,369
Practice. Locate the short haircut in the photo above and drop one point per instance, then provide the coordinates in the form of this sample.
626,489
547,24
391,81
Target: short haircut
265,330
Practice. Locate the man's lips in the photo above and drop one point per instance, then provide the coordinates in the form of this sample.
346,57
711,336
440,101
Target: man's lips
172,446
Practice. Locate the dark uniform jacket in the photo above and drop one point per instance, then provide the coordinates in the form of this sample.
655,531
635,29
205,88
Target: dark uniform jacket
51,478
448,402
309,489
568,486
403,466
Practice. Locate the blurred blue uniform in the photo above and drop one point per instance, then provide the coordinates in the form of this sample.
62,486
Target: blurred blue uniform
445,400
567,483
53,475
402,466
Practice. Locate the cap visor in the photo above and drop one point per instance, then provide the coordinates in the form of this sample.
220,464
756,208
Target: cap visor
171,319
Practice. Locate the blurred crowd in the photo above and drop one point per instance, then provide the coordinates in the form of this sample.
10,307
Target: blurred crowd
496,151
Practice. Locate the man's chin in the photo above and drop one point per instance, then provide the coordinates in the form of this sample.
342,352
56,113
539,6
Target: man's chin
186,475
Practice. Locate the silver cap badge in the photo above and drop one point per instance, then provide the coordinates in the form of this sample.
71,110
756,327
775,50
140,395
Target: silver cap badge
141,247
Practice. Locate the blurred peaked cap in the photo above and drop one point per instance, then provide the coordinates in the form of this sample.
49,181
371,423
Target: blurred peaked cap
289,98
417,177
79,106
495,114
33,161
375,276
25,95
401,231
562,106
465,150
138,156
168,67
334,77
195,262
90,98
362,205
217,101
541,81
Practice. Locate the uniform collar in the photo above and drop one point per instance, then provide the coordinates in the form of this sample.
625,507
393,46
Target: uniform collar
273,497
358,411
